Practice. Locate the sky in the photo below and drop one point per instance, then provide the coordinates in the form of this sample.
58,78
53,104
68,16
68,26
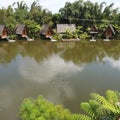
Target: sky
54,5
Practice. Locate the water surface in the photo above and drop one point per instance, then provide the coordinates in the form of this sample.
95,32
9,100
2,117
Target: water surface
64,73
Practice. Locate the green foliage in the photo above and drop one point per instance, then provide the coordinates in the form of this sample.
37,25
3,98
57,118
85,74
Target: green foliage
84,36
68,34
82,11
81,33
13,37
103,108
79,30
88,109
33,28
33,17
79,12
82,117
57,36
41,109
97,108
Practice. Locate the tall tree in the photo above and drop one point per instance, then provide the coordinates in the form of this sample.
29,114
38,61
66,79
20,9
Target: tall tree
87,13
21,11
21,5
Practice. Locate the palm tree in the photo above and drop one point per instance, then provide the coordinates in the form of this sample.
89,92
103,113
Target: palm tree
21,5
35,12
21,12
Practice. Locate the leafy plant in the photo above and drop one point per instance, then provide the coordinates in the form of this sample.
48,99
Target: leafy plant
57,36
102,108
41,109
33,27
97,108
84,36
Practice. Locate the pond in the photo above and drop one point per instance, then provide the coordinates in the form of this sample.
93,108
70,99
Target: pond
63,72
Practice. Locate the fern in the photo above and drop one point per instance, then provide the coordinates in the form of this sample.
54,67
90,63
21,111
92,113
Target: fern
105,103
88,109
112,97
99,98
103,108
82,117
94,104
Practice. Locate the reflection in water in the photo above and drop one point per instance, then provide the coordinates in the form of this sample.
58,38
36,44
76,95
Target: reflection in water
3,53
114,63
53,71
64,73
46,70
78,53
5,103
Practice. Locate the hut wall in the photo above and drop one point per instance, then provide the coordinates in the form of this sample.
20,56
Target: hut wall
4,33
108,33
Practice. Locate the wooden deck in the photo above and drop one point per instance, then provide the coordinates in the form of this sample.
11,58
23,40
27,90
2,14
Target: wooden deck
70,40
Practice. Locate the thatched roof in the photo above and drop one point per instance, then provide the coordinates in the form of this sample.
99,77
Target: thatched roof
44,29
19,29
61,28
93,30
1,29
111,28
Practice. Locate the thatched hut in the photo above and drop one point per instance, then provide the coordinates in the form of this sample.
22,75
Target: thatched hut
62,28
21,30
3,32
93,32
46,31
109,32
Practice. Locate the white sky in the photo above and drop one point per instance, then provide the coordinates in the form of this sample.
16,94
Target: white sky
54,5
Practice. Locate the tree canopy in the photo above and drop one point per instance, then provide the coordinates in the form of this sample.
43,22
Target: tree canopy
82,13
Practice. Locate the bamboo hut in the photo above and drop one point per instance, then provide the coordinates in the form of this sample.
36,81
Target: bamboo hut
62,28
3,32
109,32
46,31
21,30
93,32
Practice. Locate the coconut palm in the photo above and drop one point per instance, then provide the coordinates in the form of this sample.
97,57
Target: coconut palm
21,11
35,11
20,5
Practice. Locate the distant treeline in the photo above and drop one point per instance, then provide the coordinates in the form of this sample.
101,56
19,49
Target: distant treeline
82,13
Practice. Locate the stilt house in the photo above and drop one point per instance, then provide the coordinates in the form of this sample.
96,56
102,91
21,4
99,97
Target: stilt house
46,31
21,30
63,28
93,32
109,32
3,31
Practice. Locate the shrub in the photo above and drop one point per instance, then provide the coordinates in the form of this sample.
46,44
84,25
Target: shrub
97,108
41,109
